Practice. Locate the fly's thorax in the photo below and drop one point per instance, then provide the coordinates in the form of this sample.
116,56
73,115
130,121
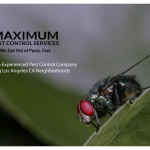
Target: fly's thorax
102,100
86,112
91,96
105,102
105,96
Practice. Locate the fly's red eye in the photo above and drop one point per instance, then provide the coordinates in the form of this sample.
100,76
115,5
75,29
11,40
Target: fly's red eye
86,108
78,108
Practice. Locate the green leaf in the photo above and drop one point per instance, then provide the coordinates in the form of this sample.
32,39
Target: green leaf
129,125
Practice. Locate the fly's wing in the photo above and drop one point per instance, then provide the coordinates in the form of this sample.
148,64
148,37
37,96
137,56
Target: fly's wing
133,77
130,77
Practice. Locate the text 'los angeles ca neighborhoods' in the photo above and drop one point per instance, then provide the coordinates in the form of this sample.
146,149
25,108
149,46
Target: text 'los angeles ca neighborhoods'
41,67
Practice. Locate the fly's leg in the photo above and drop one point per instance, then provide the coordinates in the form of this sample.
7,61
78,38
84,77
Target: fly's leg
98,123
115,96
97,118
97,128
123,92
145,88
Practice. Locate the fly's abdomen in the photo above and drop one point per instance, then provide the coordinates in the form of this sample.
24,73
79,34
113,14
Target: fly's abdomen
128,88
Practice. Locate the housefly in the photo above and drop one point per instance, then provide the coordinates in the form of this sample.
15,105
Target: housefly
106,95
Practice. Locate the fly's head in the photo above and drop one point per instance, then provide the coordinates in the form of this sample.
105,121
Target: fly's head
85,111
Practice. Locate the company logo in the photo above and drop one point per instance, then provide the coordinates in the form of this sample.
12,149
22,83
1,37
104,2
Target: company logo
27,38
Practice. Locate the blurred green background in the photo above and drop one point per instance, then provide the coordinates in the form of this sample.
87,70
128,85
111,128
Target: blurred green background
37,109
